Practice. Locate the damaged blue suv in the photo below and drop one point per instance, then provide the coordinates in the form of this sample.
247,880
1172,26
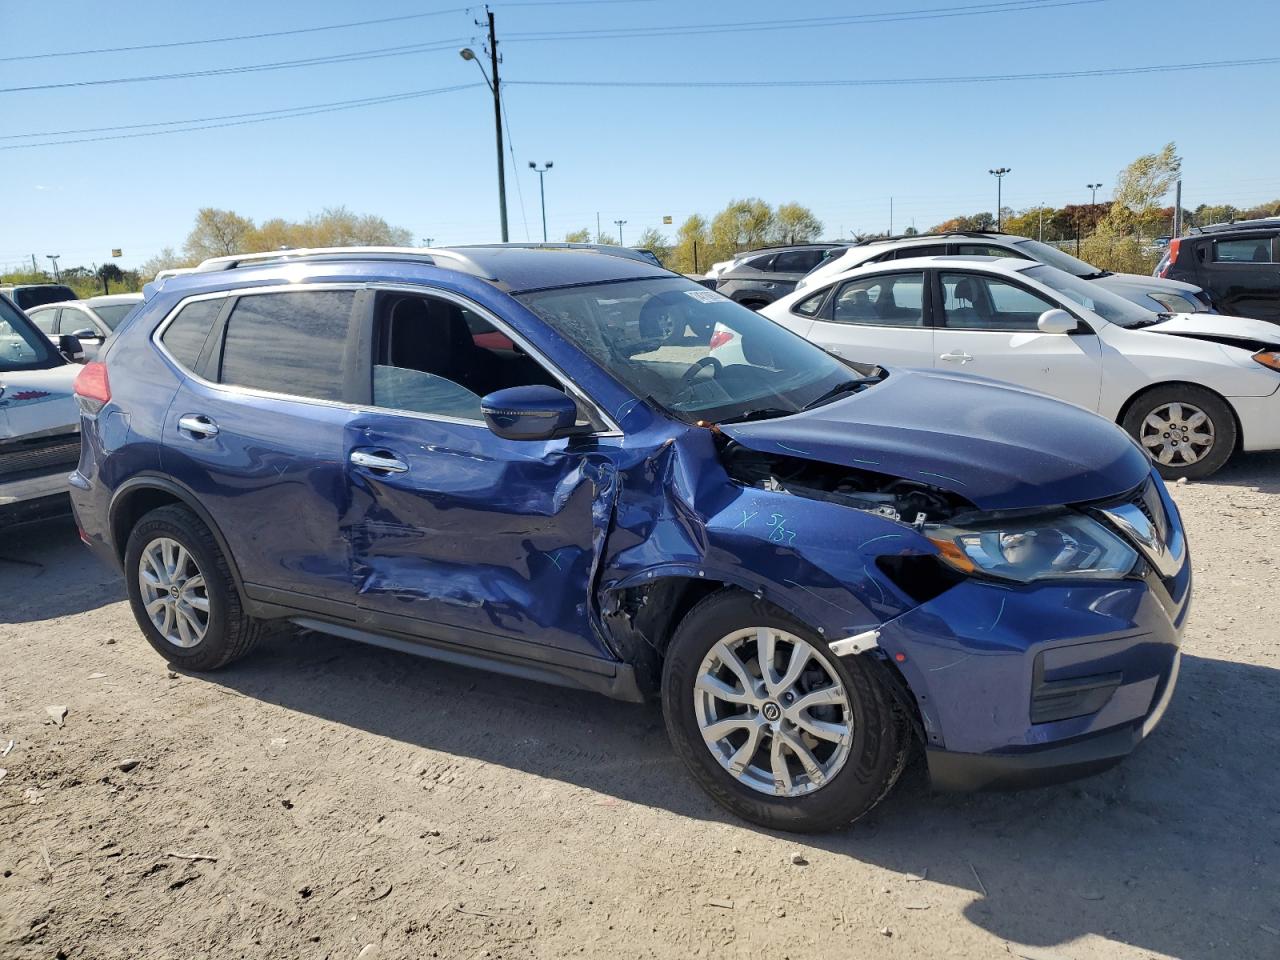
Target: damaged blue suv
546,463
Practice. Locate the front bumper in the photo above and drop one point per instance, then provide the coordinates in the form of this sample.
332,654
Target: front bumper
34,497
1043,766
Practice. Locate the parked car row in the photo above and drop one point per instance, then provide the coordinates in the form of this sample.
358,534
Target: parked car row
576,467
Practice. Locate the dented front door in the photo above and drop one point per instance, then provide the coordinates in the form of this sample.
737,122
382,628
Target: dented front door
461,536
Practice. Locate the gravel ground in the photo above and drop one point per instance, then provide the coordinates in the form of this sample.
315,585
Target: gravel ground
325,799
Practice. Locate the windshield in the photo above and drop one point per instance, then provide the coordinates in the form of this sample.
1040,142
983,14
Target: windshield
696,353
22,346
112,313
1089,295
1056,258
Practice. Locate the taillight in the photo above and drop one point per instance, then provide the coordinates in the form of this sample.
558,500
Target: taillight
1170,257
720,338
92,388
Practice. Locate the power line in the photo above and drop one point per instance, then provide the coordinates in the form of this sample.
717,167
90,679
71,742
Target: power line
286,113
242,36
352,57
747,26
908,81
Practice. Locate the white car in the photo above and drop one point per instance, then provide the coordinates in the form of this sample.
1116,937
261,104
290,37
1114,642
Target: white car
39,420
90,321
1190,387
1154,293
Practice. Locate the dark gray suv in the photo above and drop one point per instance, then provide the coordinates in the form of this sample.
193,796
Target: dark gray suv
758,278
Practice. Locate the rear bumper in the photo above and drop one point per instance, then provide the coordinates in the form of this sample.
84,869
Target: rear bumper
1050,764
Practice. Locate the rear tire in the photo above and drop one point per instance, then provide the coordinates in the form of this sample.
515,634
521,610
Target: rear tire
1188,431
182,592
839,780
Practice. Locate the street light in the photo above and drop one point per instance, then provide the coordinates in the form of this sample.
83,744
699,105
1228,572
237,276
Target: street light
57,275
542,191
466,53
620,223
1093,202
999,173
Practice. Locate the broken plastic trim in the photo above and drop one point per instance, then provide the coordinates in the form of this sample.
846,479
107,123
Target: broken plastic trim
858,643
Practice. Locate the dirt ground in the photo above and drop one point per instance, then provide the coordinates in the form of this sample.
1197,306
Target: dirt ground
326,799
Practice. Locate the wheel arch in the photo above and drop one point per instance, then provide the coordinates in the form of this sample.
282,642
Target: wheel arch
1128,404
139,495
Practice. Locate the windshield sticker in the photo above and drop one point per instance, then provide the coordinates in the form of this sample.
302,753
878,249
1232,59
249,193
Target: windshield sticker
703,295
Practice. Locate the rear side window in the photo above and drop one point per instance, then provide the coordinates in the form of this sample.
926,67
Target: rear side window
44,318
810,306
184,337
797,261
923,250
896,300
290,343
1251,250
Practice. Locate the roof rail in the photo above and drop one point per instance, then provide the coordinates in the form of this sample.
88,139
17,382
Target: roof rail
1260,222
608,249
425,255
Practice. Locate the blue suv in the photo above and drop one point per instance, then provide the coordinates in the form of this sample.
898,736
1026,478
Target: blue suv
547,462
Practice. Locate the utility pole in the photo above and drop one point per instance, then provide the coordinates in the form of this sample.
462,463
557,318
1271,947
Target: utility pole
1177,209
1042,223
542,192
999,173
34,268
597,226
620,223
891,216
495,87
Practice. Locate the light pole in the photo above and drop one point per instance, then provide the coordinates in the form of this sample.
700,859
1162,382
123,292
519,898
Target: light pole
542,192
620,223
426,241
1093,203
466,53
999,173
57,274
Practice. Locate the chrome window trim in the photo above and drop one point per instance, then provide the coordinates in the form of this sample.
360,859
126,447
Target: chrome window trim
157,336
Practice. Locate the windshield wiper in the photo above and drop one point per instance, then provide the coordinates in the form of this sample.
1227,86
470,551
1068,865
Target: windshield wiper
848,386
760,413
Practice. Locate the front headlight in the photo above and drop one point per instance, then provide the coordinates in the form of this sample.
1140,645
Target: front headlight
1058,547
1173,302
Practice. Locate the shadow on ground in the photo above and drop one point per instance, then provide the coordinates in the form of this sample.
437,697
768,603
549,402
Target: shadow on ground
1173,851
46,572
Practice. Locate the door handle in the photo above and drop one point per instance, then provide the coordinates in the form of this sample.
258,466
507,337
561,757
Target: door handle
198,424
382,462
962,357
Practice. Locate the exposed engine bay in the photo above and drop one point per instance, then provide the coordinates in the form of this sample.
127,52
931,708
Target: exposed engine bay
907,501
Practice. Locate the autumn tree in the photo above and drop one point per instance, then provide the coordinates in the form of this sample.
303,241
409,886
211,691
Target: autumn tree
690,252
742,225
793,223
654,240
217,233
578,236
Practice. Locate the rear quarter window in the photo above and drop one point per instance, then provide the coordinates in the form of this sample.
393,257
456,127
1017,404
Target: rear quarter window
185,336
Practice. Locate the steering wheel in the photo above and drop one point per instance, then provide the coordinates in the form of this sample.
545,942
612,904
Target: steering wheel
696,368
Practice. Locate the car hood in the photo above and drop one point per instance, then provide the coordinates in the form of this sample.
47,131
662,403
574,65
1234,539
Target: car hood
1233,331
999,446
37,401
1123,283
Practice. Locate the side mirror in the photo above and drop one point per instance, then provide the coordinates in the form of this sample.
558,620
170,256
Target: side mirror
1057,321
528,413
69,346
88,333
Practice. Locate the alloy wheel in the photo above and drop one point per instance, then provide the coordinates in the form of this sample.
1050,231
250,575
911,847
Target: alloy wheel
773,712
174,592
1177,434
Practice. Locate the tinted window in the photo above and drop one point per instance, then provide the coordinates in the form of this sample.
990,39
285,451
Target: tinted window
27,297
112,313
896,300
44,318
1251,250
185,336
977,302
290,343
797,261
924,250
987,250
757,263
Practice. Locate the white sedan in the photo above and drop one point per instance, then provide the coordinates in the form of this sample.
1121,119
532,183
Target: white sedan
1192,388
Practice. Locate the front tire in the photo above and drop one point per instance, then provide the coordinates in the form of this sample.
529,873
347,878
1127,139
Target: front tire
774,727
1188,431
182,592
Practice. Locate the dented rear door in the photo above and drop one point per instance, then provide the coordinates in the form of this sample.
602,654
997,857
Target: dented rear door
477,540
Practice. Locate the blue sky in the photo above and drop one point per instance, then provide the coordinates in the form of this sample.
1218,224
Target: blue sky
632,154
